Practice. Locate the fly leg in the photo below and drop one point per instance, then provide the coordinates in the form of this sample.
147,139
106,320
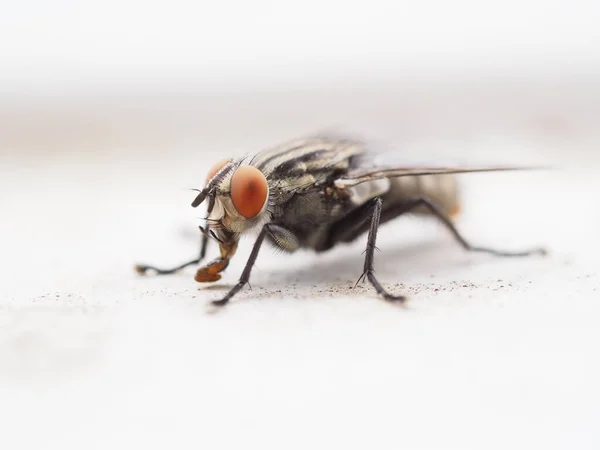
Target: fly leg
142,268
439,214
368,271
247,270
356,223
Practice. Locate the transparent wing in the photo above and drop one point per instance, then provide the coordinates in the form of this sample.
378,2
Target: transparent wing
374,167
378,161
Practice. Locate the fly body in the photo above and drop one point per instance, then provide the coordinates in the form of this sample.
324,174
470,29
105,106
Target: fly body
315,193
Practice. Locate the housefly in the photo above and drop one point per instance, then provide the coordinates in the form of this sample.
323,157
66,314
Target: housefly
315,193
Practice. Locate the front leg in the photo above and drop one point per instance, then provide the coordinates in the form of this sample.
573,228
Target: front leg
143,268
247,270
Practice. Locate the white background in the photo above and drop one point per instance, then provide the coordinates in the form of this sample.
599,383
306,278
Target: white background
71,43
110,111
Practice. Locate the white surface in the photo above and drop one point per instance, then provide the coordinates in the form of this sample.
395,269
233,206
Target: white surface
488,353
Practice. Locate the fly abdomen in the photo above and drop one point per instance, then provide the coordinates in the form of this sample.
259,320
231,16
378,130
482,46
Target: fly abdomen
439,189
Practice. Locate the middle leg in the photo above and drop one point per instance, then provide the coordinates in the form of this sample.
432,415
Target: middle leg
368,269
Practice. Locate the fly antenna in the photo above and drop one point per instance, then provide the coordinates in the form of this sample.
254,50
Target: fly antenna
200,197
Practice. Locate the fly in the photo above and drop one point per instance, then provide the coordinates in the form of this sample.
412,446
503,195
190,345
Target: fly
315,193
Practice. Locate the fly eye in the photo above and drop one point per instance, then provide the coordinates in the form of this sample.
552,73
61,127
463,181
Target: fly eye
214,169
249,191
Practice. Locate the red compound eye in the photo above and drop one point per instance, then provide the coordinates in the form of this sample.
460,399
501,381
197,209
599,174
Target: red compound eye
249,191
218,166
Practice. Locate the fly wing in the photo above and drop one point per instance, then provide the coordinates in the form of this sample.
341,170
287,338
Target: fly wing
360,175
377,161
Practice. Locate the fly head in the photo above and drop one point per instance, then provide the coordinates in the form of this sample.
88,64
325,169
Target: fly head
237,196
